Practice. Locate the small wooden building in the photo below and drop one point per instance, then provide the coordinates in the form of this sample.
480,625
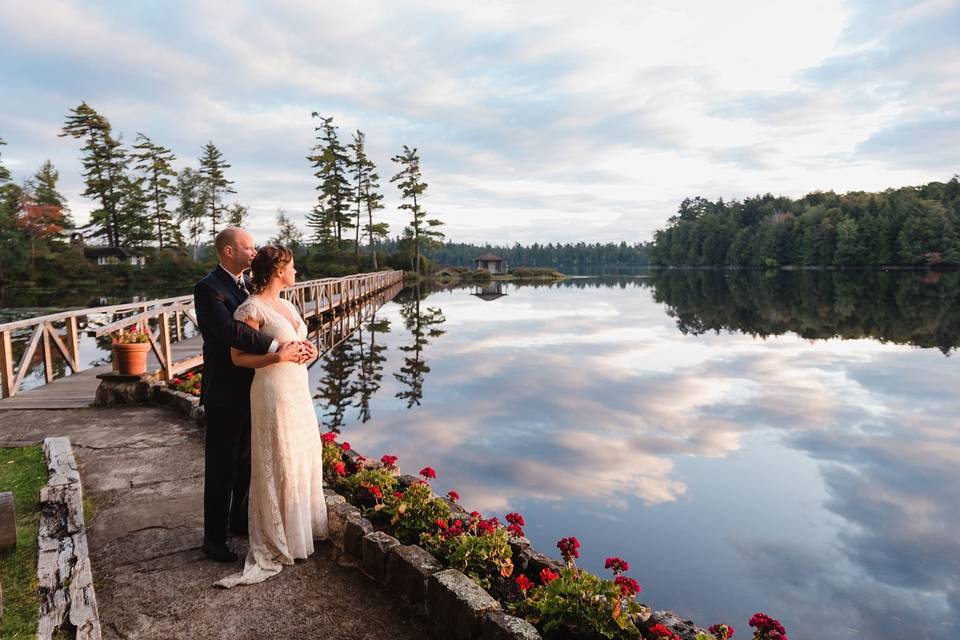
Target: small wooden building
491,263
106,255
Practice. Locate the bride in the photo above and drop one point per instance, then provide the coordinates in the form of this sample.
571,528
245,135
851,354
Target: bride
287,508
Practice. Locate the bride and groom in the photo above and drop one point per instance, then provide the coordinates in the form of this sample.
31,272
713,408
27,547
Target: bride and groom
262,437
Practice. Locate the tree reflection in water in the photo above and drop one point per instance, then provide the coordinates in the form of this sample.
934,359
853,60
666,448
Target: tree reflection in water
919,309
422,326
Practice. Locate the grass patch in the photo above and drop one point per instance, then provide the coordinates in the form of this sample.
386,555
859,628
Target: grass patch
23,471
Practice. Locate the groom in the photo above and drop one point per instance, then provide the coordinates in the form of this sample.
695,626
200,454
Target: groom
225,391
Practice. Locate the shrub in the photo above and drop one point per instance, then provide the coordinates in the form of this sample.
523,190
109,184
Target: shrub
479,548
413,511
189,383
579,605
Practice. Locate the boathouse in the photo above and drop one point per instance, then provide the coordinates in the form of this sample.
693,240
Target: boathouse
491,263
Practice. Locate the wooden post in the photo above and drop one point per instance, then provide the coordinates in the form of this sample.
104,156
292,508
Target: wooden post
165,346
6,365
47,354
73,341
8,522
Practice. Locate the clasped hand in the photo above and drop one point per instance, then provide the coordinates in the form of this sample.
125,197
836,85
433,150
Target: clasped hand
299,351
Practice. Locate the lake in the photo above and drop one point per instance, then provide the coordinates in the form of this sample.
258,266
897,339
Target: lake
782,442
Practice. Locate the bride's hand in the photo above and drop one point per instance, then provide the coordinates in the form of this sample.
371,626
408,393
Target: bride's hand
311,352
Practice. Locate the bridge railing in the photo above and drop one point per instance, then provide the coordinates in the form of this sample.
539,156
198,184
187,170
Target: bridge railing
164,320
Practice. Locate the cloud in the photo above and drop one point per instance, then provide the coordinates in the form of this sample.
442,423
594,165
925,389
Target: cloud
536,122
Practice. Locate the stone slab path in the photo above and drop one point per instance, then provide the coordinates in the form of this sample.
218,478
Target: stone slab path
142,474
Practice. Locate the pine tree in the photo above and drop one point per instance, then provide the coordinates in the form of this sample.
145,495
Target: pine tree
422,231
135,227
104,164
215,184
237,215
4,172
367,196
288,235
191,212
156,164
43,188
331,215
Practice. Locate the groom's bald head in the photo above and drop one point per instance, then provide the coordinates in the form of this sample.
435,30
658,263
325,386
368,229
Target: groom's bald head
235,249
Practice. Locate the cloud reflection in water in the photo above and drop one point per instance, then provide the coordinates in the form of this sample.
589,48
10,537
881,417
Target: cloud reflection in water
814,479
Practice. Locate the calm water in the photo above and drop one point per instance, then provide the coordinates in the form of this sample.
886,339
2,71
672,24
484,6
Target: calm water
784,443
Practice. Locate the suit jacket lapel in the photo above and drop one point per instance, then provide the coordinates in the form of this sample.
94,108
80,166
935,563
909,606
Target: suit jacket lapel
230,285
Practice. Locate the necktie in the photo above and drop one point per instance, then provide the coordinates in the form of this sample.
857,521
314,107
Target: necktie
242,287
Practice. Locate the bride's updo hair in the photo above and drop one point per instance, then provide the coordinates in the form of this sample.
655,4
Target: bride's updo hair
267,262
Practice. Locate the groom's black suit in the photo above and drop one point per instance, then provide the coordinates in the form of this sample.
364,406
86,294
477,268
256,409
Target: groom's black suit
225,395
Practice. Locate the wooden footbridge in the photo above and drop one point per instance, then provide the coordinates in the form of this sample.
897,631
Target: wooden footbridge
331,306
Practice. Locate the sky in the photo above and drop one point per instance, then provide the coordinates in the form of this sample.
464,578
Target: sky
536,121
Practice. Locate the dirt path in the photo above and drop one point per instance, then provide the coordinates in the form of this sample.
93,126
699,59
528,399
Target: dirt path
142,473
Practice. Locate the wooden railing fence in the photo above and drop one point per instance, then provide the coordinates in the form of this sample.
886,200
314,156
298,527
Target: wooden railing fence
164,320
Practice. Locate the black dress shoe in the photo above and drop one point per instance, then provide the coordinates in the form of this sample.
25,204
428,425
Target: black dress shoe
219,551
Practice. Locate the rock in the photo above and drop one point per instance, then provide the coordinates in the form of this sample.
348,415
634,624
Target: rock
408,568
456,604
116,389
530,562
686,629
497,625
406,480
376,549
357,527
337,517
68,604
333,498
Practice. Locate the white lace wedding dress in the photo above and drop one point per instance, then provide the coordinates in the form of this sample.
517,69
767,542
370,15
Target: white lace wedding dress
287,508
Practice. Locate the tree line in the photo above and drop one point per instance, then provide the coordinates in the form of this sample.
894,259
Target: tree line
571,257
909,226
143,201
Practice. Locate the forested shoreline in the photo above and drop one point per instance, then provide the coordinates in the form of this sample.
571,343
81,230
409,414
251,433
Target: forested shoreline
906,227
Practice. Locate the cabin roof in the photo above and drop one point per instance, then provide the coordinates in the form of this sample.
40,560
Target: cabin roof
489,257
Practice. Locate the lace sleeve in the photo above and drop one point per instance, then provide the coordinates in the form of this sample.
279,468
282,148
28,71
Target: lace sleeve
248,309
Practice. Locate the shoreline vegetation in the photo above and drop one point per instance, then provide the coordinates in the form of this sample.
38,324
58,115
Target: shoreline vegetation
904,227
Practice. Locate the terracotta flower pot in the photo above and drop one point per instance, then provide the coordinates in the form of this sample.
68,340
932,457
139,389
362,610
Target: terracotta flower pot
131,359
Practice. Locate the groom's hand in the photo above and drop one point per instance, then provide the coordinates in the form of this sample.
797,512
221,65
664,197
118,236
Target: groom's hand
292,351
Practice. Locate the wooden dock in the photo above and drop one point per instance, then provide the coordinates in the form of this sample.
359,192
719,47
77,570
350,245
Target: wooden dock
324,304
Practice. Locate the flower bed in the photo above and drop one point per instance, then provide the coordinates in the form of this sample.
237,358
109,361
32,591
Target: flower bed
188,383
560,600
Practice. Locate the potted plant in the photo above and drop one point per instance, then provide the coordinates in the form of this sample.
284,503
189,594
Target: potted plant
130,351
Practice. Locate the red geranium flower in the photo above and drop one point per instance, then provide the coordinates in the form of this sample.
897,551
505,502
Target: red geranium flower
441,523
345,446
375,491
722,631
428,472
547,576
617,565
568,548
660,632
340,468
628,586
398,494
515,518
389,461
328,437
453,495
524,583
475,514
515,530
